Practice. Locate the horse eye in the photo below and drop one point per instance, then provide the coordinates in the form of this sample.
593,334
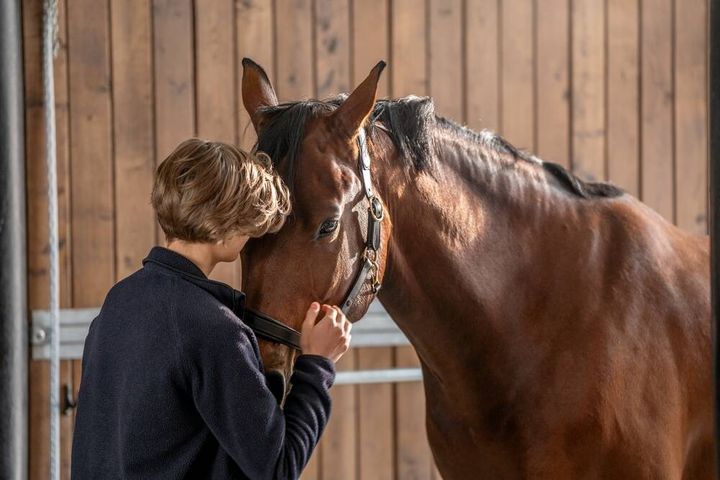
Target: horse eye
328,227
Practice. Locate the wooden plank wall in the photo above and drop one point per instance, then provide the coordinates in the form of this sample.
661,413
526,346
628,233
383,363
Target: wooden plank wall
614,89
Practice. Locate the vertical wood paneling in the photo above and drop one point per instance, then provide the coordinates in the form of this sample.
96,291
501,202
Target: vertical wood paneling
69,370
37,260
174,76
518,99
37,234
332,47
370,39
446,44
413,456
409,60
691,135
133,133
615,88
376,427
215,88
293,53
657,106
339,442
215,69
254,39
623,128
552,90
588,89
482,63
91,152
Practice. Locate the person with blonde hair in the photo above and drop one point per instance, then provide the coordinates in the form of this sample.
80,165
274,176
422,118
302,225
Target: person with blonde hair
172,381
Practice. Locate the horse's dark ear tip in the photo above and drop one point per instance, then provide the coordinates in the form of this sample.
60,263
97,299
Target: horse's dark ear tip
248,62
381,66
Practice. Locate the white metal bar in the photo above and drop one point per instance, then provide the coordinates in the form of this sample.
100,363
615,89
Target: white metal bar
389,375
375,330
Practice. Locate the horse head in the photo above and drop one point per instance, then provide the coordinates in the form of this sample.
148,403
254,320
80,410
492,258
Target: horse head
321,253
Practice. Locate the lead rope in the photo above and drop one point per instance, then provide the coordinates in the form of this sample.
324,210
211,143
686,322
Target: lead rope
50,49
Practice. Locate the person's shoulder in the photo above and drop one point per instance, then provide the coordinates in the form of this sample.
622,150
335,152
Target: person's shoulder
205,327
199,314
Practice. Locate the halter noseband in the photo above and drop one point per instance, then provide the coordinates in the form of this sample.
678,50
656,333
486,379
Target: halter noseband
271,329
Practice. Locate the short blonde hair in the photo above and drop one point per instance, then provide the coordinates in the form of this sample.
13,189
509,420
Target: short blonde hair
206,191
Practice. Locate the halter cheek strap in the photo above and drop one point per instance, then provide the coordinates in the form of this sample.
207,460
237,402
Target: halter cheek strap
267,327
373,238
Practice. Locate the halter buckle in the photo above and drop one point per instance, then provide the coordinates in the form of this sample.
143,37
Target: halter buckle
376,208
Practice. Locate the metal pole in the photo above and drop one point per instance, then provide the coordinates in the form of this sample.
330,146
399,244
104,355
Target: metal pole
13,295
714,155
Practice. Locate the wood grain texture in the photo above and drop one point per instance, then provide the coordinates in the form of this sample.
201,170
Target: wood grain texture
376,435
657,144
413,456
691,136
408,49
552,86
91,152
332,47
446,47
482,64
339,442
623,90
517,70
588,89
133,134
294,50
371,41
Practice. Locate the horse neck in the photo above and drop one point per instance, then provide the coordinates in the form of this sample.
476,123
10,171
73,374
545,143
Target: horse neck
460,266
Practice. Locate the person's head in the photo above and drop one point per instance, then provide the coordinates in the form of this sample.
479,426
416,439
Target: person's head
215,193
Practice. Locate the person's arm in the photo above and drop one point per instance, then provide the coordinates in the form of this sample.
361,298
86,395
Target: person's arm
231,395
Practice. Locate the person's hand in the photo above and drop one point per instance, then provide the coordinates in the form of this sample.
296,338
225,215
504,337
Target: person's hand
329,337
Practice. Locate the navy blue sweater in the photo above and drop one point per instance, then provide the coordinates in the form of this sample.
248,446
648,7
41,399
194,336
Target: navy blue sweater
173,386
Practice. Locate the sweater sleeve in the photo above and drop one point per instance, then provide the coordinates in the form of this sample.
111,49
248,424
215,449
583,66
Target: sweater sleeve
232,396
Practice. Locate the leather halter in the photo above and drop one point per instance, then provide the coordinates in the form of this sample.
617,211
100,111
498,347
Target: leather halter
267,327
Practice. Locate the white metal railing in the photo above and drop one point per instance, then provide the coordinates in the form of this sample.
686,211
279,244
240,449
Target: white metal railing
376,329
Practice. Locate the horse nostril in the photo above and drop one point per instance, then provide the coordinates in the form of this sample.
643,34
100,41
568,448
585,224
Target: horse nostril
276,383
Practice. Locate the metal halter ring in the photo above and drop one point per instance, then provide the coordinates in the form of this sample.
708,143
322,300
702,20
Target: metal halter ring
376,209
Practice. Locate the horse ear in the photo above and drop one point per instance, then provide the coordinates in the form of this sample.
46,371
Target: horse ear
257,91
359,105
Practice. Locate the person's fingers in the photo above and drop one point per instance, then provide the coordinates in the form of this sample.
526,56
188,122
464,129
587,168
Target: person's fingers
310,318
331,315
343,320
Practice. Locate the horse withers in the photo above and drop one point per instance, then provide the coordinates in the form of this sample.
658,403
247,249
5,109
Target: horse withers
563,327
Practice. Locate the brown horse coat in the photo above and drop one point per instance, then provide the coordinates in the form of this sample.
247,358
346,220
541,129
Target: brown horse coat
563,327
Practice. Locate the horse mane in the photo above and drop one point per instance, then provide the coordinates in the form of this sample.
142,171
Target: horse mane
409,122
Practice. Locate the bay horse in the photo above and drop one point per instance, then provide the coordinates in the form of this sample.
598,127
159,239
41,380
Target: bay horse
563,327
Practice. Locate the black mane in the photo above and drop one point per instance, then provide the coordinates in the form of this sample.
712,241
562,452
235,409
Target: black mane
410,122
